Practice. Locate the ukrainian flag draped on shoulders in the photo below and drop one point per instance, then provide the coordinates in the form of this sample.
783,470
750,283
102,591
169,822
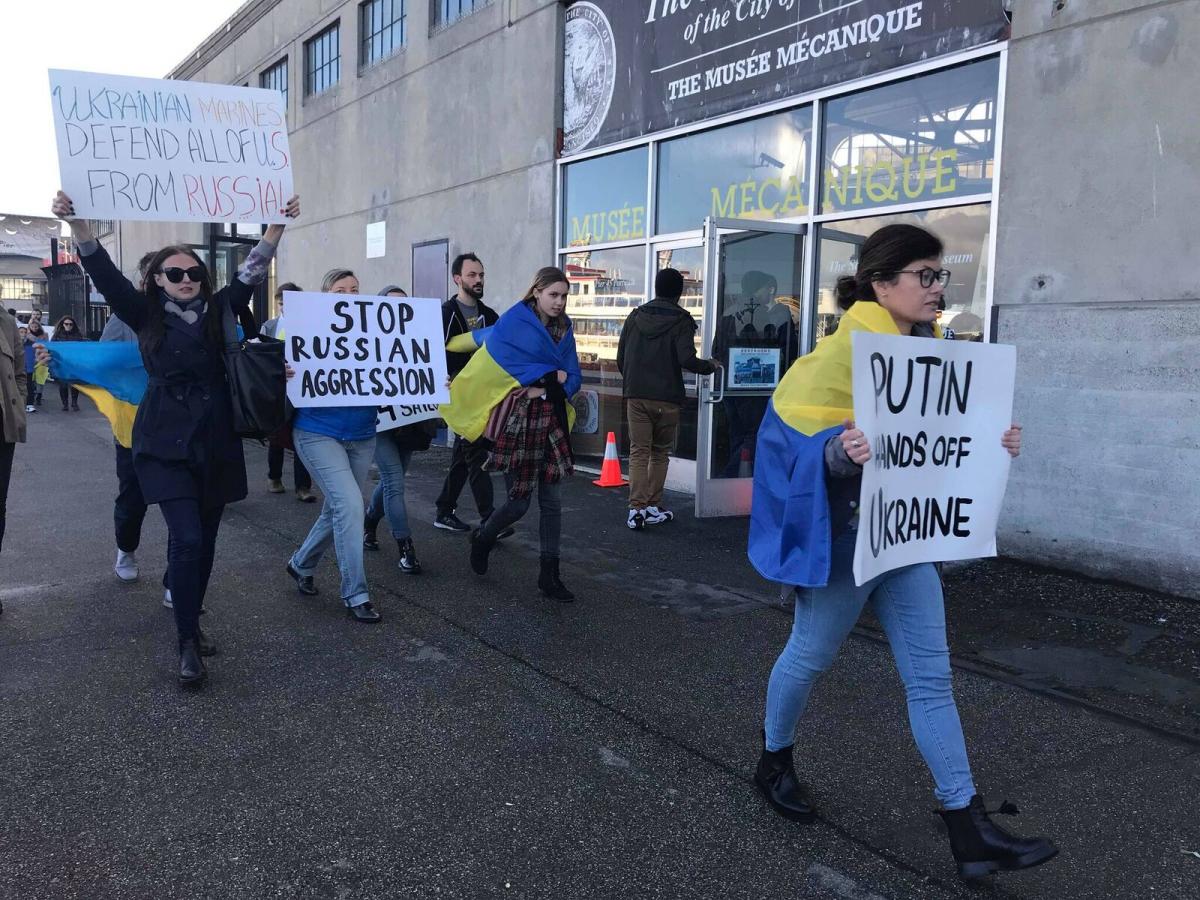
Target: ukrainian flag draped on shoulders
515,352
790,533
111,374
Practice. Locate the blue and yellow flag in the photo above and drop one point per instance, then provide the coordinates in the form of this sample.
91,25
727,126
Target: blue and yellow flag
790,533
517,351
110,373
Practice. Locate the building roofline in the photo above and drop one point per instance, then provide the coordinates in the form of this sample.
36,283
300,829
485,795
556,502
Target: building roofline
221,39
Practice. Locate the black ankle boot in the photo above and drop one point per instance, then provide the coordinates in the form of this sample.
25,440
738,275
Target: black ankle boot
204,644
777,781
191,667
480,549
408,564
980,846
370,541
549,582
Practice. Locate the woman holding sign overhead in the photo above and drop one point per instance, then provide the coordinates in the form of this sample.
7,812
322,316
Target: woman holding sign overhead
187,457
336,445
803,530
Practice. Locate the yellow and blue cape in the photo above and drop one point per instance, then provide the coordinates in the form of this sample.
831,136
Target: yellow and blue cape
515,352
111,374
790,534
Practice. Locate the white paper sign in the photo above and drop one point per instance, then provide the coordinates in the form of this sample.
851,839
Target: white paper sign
398,416
934,412
143,148
376,240
359,350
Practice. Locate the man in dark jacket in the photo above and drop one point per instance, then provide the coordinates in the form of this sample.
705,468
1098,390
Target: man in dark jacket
657,343
464,312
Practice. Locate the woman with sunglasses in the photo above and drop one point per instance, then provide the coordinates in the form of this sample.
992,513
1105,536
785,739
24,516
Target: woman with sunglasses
66,330
187,457
802,533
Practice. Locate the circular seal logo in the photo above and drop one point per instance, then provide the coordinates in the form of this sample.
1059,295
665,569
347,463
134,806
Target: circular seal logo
589,74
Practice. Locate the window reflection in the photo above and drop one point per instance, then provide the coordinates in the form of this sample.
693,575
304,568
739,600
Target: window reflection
929,138
605,199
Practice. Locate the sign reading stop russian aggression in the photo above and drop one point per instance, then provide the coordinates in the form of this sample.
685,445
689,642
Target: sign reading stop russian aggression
681,61
142,148
934,412
357,350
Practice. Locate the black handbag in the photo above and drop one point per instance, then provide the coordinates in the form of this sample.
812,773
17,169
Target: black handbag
257,382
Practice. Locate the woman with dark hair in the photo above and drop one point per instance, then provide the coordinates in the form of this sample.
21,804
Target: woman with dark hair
67,330
187,457
529,422
802,533
336,445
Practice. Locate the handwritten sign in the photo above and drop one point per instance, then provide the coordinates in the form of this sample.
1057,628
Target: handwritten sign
934,412
352,350
404,414
142,148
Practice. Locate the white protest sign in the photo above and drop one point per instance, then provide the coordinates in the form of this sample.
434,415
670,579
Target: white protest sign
402,414
143,148
934,412
358,350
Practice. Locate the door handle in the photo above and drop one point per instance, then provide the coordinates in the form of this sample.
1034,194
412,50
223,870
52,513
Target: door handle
718,377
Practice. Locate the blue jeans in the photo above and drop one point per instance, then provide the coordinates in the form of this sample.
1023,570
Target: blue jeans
339,468
911,608
389,493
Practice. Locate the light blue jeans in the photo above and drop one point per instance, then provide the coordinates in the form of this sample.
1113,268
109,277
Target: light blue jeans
339,469
911,608
389,493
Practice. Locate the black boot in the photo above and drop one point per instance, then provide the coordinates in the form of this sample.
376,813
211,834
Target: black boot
777,781
205,645
480,549
191,667
408,564
980,846
370,541
550,584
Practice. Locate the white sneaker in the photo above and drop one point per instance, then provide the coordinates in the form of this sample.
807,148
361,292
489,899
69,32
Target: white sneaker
656,516
126,566
636,520
167,601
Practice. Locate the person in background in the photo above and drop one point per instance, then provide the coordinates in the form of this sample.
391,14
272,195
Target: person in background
27,361
13,394
37,381
67,330
282,439
337,444
658,341
464,312
393,453
186,454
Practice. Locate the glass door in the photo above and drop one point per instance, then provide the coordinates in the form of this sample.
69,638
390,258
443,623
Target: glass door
751,327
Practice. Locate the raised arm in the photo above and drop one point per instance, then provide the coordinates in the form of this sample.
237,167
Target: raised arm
119,293
254,270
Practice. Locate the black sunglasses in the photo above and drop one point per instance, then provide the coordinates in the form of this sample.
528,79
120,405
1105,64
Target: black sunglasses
175,274
928,275
68,325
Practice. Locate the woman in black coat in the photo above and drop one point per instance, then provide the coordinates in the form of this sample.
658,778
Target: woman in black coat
67,330
187,457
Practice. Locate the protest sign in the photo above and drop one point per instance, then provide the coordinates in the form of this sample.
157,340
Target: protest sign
143,148
404,414
934,412
358,350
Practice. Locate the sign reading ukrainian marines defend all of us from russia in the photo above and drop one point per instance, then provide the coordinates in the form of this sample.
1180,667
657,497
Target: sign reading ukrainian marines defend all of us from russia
352,350
934,412
141,148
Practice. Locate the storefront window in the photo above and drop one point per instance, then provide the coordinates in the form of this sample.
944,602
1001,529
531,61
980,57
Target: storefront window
930,138
605,199
605,286
752,170
963,229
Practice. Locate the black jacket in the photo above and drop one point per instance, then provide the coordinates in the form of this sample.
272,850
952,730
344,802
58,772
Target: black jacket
658,341
184,444
453,324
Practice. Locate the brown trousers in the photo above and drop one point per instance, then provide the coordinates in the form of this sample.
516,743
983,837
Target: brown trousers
652,428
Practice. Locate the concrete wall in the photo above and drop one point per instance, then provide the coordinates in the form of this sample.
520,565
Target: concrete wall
1096,284
452,137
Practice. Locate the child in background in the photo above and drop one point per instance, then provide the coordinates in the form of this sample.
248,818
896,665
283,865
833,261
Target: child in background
31,388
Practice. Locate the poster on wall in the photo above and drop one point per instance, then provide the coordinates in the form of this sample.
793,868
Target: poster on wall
752,367
175,151
632,67
934,412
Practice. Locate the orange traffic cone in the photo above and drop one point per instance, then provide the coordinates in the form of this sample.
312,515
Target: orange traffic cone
610,471
745,466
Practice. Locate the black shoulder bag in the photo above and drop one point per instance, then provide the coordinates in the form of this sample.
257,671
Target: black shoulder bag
257,381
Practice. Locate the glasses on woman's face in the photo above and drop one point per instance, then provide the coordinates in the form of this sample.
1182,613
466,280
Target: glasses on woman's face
68,324
928,276
175,275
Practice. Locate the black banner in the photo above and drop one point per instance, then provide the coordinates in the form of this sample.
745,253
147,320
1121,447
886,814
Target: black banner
639,66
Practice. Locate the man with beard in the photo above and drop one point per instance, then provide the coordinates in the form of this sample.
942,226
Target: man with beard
465,312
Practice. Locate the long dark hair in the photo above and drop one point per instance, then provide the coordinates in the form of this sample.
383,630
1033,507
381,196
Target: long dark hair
151,335
885,253
76,334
